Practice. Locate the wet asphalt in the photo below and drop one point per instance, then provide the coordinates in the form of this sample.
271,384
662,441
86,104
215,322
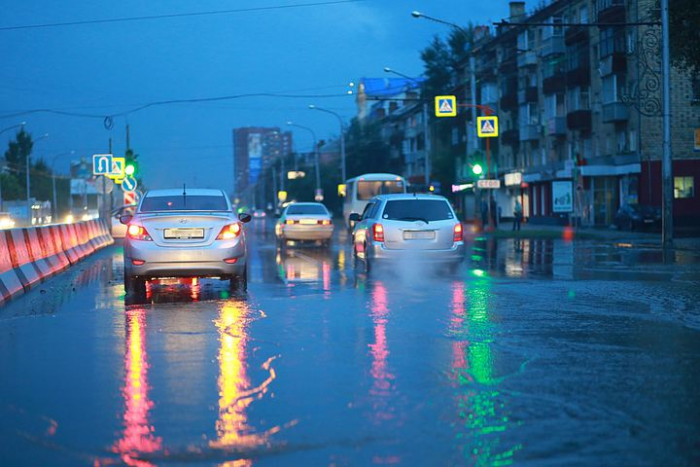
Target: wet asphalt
535,352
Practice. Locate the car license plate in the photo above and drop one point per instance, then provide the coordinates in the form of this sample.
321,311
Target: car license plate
180,234
418,234
308,221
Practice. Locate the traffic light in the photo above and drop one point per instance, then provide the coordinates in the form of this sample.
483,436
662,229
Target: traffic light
477,169
130,168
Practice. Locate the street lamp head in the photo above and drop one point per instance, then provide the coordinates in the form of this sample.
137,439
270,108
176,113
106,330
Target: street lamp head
416,14
290,123
387,69
311,106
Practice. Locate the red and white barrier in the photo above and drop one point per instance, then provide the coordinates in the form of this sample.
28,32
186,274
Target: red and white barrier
28,256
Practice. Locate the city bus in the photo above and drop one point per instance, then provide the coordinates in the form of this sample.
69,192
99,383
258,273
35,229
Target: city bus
359,190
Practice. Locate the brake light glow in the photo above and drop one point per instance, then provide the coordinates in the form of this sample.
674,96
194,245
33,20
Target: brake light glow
230,231
378,232
138,262
138,232
325,222
459,233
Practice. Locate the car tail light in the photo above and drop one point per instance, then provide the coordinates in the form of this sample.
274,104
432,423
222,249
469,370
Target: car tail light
378,232
138,262
291,221
230,231
459,233
325,222
138,232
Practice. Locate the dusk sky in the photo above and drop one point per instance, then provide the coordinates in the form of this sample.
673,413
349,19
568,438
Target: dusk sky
104,69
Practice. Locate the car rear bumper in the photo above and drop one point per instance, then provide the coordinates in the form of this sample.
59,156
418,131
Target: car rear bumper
307,232
377,251
205,261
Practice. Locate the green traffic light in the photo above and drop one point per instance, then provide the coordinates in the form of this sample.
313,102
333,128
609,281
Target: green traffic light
130,169
477,169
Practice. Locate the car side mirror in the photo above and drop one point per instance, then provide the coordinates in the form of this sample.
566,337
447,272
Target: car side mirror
354,217
244,217
125,218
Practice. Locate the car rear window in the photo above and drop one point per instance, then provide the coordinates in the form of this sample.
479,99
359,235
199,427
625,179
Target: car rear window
367,189
417,209
184,203
306,209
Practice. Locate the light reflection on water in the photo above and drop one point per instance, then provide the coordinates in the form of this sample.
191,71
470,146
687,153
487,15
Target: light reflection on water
482,408
138,436
235,391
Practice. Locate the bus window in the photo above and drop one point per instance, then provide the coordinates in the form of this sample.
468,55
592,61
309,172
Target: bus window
368,189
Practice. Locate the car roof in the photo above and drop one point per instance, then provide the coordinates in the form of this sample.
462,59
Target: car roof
409,196
376,176
307,204
189,191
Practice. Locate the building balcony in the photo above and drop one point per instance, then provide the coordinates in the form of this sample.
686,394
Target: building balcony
615,63
579,119
508,65
528,58
556,126
578,77
528,95
554,84
529,132
574,34
615,112
552,45
509,101
611,11
511,137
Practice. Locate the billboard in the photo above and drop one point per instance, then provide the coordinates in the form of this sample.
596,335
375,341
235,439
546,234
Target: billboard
562,196
254,157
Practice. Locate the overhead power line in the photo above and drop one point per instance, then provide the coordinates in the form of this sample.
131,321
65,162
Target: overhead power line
175,15
109,118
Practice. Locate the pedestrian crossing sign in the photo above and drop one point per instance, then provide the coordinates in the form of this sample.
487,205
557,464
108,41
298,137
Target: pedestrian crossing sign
445,106
487,127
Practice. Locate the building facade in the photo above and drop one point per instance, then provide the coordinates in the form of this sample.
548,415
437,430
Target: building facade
255,149
579,107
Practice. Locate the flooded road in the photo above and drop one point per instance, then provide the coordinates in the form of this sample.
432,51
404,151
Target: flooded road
533,353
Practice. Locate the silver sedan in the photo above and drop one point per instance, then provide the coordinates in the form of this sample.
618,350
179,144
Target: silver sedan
184,233
421,228
304,222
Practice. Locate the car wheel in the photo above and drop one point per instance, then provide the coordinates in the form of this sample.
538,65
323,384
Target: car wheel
239,282
134,285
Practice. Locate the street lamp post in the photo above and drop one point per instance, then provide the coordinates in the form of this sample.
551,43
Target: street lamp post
54,210
318,173
29,204
11,127
426,127
342,139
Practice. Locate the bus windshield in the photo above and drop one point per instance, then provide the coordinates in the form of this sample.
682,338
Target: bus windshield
368,189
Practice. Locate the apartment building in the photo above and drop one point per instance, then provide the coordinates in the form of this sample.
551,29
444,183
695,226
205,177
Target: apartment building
579,109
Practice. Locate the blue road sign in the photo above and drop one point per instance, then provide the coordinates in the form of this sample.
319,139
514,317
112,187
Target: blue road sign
129,184
102,164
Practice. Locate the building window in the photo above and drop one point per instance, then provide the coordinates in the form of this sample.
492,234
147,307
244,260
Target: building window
683,187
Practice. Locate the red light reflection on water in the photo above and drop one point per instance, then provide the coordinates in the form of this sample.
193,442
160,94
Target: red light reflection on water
138,434
380,352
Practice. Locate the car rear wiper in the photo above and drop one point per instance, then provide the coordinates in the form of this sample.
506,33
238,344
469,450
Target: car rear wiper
412,219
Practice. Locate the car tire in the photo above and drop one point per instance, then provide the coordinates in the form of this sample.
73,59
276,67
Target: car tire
239,282
133,285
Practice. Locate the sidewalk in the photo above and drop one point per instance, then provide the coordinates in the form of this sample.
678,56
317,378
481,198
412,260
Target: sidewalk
537,231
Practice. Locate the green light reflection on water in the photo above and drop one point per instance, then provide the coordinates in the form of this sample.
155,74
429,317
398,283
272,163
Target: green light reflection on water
481,405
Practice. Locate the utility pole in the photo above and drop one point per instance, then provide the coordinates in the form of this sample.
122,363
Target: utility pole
667,166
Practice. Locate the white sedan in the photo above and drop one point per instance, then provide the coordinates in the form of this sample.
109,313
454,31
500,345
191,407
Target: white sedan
304,222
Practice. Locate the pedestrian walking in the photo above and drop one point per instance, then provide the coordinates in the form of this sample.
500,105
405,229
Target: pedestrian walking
517,215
